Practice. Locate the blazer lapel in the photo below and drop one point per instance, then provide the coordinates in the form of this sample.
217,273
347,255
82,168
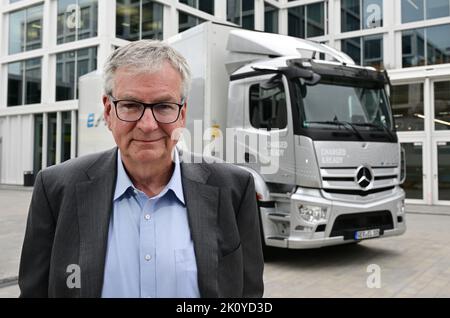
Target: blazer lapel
202,202
94,206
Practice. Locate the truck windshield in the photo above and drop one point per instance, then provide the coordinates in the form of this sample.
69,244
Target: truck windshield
329,105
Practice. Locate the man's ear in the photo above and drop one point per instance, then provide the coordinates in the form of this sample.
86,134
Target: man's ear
183,114
107,109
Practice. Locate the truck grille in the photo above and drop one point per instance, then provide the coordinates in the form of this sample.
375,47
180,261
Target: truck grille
359,180
345,225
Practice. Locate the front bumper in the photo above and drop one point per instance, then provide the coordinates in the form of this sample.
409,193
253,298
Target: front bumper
299,234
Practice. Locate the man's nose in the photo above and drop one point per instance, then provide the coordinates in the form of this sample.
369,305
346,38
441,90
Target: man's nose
148,121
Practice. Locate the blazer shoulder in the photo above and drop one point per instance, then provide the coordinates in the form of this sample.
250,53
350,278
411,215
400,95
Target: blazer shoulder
77,168
228,175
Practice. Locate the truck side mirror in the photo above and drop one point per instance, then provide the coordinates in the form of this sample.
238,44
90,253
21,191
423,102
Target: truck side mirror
313,80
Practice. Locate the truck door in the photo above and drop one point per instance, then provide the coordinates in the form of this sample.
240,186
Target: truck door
268,118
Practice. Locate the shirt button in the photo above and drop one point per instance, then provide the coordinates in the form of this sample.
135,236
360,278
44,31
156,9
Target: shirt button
147,217
148,257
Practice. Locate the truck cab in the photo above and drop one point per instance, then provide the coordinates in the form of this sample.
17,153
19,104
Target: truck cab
338,154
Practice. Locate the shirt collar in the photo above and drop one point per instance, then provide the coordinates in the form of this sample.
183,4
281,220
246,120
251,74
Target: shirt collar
123,182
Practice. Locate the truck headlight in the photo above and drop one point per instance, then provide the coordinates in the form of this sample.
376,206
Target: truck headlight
312,214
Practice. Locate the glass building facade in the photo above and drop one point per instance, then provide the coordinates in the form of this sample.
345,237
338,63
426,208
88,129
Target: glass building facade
47,45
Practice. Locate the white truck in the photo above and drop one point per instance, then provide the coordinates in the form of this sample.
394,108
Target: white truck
315,130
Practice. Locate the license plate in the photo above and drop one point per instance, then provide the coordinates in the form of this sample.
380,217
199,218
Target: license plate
362,235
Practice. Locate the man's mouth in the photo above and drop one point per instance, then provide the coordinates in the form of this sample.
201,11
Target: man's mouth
148,140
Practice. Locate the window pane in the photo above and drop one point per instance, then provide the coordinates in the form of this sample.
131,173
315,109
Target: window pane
268,107
413,184
437,8
152,20
38,128
350,15
51,139
442,105
66,126
373,51
353,48
69,67
407,105
77,19
372,14
412,10
33,81
15,84
191,3
34,28
68,16
17,32
248,14
413,47
270,19
127,19
206,6
315,19
234,11
296,22
65,76
203,5
88,19
444,171
438,44
86,62
187,21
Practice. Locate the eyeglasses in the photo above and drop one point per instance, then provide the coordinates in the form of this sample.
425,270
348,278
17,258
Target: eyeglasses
131,111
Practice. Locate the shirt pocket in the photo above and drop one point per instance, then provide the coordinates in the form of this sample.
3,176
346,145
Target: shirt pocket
186,273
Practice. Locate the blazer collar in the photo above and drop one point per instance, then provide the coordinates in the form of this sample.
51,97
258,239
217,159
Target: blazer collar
94,206
202,203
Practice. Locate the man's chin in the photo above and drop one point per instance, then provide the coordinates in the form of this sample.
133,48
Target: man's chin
149,155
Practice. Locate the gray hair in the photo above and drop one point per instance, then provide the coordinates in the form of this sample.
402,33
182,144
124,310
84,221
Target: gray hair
146,56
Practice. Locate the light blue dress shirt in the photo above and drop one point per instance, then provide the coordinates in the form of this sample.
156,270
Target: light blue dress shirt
150,252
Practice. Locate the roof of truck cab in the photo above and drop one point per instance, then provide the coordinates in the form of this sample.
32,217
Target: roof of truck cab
270,44
275,63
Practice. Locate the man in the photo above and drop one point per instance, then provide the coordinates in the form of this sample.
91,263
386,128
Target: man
135,221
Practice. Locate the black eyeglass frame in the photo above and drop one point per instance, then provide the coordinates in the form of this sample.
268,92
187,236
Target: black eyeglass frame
116,101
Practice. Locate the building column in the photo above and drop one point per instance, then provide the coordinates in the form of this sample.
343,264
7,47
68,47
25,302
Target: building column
259,15
73,134
220,10
58,137
44,139
283,21
106,30
389,51
334,23
170,20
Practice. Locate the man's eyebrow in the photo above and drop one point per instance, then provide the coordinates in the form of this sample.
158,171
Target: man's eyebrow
162,98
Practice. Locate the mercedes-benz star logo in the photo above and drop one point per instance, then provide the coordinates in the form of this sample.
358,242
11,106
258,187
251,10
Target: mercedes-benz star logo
364,177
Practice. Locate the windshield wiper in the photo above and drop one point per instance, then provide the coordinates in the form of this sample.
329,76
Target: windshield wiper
346,124
380,127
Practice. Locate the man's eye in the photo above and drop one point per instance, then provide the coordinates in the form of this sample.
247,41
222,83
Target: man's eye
165,107
129,106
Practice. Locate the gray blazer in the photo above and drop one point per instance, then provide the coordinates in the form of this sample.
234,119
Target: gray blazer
69,217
